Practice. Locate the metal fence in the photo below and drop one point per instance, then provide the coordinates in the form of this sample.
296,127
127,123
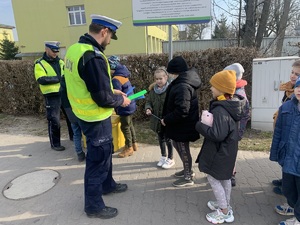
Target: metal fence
291,45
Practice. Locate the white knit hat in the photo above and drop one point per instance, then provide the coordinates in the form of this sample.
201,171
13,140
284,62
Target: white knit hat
238,68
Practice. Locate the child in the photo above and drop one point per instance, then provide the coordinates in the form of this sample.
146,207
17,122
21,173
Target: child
219,149
285,150
154,106
120,81
180,115
288,89
240,90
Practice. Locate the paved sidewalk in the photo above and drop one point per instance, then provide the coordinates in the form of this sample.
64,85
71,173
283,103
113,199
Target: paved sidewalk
151,198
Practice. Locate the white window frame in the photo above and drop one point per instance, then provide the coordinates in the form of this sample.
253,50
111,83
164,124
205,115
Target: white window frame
76,16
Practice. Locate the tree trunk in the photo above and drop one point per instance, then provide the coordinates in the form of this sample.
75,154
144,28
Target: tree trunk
262,23
282,27
240,18
249,35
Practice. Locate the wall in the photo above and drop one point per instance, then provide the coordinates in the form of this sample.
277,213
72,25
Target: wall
47,20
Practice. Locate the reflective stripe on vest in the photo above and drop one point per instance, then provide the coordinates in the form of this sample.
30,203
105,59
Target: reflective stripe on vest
83,106
43,68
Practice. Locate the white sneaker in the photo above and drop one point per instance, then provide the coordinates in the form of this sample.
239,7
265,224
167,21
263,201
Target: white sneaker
213,205
217,217
168,163
291,221
162,161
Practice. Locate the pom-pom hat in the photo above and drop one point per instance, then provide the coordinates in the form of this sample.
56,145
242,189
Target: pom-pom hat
53,45
224,81
105,21
238,68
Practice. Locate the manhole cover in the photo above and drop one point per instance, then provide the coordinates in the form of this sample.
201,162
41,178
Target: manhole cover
31,184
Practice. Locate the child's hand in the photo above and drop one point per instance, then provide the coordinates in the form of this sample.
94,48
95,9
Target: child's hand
148,112
207,118
163,122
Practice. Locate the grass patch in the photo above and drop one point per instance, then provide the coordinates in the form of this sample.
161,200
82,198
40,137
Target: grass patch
253,140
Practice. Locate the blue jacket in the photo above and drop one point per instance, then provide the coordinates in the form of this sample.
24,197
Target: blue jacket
121,82
285,148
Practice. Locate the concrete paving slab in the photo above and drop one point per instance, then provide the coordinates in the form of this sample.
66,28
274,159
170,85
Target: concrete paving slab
150,200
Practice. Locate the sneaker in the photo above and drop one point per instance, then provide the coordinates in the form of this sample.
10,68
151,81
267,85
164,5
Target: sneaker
218,216
182,182
291,221
162,161
106,213
181,174
277,182
213,205
284,209
277,190
168,163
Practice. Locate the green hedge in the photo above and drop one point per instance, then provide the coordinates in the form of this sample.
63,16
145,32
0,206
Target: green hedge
20,94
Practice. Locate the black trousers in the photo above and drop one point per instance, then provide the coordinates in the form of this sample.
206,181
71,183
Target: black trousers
53,104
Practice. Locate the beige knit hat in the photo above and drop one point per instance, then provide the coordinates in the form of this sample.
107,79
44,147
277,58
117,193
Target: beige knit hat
224,81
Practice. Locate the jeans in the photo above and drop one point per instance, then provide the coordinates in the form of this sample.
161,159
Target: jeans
53,104
98,171
291,190
77,136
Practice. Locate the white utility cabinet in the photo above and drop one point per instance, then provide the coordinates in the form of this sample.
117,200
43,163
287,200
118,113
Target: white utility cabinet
267,75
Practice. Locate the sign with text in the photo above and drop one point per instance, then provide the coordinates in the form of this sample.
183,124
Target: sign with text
164,12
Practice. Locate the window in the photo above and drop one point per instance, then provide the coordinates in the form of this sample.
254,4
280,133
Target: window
76,15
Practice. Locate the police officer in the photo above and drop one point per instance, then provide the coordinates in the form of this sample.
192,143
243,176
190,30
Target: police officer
93,99
48,71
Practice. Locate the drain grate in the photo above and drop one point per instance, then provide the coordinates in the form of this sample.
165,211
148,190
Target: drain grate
31,184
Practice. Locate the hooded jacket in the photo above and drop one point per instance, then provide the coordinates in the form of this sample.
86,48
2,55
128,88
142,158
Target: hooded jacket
219,149
181,110
285,148
121,82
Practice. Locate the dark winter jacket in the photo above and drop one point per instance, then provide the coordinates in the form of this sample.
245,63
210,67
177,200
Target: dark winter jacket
121,82
285,148
219,149
155,103
180,111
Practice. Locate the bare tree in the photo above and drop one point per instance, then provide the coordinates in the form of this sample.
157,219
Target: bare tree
262,23
249,34
282,27
195,31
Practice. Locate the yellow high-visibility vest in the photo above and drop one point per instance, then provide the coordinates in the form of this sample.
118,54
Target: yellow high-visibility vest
43,68
83,106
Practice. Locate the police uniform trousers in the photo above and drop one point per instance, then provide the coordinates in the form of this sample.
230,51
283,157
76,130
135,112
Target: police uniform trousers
98,171
53,104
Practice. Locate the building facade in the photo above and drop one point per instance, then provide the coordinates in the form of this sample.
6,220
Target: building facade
6,31
66,20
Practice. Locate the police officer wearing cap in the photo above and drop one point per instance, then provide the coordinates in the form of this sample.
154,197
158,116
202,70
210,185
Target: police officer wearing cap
48,71
92,97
